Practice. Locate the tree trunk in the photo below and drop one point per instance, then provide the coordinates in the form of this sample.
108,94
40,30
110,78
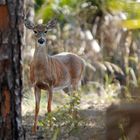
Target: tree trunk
11,33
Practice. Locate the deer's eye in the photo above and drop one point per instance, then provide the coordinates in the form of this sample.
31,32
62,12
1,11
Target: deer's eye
45,32
35,32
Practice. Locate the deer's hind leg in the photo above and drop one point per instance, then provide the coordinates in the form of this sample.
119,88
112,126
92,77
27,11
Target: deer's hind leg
75,83
75,98
71,88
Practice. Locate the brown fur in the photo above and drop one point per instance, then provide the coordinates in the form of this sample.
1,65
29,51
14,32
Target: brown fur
55,70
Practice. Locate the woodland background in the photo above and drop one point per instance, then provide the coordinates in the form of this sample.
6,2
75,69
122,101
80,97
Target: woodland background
105,33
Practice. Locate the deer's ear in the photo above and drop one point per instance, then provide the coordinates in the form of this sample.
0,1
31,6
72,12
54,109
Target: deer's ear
29,24
51,24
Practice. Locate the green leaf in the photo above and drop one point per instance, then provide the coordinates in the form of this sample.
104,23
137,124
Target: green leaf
131,24
46,13
39,2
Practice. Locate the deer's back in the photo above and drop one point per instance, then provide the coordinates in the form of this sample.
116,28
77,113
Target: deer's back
73,62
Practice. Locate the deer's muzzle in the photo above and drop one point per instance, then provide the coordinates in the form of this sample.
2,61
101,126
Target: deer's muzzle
41,41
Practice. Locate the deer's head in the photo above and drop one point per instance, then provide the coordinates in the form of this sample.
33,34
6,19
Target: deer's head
40,30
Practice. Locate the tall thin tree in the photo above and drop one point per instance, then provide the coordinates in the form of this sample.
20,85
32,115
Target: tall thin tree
11,33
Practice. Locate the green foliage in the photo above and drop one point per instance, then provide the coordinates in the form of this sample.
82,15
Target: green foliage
115,5
65,9
46,12
39,2
129,8
99,4
64,120
108,80
70,3
60,9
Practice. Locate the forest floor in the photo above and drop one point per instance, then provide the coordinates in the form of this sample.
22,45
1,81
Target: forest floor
92,110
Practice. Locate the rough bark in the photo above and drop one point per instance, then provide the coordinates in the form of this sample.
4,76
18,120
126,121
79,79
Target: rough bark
11,32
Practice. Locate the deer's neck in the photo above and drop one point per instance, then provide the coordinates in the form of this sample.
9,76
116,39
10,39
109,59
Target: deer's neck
44,66
40,55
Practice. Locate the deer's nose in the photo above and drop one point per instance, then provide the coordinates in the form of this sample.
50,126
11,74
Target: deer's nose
41,41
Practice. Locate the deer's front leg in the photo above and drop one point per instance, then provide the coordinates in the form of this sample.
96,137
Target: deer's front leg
49,99
37,93
32,76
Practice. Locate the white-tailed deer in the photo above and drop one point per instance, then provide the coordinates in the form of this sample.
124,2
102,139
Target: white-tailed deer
48,72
